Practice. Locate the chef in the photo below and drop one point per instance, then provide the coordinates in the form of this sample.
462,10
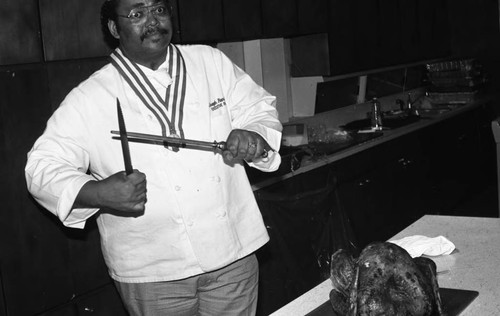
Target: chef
179,233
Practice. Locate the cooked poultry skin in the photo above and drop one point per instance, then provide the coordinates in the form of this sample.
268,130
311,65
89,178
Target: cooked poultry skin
384,280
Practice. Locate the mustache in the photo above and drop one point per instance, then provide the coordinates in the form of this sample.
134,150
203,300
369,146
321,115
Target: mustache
153,30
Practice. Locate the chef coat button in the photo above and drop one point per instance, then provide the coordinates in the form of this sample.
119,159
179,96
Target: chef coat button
177,188
190,223
216,179
221,214
150,117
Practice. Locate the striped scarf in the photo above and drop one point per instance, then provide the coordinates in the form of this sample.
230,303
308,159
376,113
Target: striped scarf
169,113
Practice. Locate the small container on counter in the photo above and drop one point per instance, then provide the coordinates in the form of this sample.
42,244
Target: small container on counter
376,115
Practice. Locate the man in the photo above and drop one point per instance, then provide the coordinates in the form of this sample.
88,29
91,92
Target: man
178,234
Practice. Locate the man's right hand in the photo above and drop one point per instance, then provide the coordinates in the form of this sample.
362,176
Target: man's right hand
120,192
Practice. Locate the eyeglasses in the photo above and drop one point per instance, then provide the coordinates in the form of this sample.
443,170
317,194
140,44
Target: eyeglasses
140,15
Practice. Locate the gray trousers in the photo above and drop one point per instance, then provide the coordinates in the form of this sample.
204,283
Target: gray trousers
230,291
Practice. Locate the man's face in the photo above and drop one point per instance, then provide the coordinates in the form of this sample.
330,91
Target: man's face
144,39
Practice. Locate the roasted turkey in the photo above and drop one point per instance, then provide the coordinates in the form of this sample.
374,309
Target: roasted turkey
384,280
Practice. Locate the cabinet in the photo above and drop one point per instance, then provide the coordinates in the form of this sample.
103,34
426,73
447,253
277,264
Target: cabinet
366,34
461,155
34,256
474,27
242,19
104,301
64,76
312,16
352,30
434,29
226,20
410,29
71,29
20,37
365,205
405,172
279,18
428,171
310,55
451,161
408,170
292,212
43,264
379,190
201,21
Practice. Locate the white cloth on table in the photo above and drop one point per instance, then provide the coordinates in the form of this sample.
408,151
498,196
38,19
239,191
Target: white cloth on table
418,245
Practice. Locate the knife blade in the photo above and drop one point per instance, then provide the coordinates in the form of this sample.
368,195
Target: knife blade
124,139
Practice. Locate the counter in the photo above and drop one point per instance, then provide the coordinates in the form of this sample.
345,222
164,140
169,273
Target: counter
474,265
388,135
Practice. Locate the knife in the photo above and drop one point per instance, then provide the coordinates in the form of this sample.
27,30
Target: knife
124,139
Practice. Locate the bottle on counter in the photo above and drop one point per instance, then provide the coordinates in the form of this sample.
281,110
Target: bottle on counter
376,118
410,107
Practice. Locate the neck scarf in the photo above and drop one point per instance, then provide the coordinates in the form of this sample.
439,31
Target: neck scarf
168,112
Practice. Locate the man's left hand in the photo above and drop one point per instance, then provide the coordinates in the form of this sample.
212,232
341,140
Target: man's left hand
242,144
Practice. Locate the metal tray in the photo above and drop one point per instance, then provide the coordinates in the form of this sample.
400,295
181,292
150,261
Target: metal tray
454,302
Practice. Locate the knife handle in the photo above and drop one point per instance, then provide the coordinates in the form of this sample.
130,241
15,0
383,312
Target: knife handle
222,146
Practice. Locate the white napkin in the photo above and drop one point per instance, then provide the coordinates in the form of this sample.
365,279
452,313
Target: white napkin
418,245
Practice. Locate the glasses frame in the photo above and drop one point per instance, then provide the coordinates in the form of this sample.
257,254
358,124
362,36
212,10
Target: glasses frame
149,11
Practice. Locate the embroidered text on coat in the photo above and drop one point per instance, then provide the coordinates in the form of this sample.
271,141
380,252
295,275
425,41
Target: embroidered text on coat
217,104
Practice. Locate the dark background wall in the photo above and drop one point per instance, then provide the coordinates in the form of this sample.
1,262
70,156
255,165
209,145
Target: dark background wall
49,46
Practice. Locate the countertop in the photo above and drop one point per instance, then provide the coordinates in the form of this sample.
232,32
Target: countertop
474,265
387,135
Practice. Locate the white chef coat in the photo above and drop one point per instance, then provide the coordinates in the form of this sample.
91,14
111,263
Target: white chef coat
201,213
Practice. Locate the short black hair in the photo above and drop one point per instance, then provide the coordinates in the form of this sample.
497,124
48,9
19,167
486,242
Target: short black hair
108,12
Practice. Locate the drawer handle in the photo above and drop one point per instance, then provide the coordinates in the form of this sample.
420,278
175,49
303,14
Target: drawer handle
364,182
88,309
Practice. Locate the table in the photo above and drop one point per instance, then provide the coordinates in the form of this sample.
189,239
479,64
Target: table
474,265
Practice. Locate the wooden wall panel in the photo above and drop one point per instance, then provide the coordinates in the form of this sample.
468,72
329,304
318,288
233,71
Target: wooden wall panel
201,21
312,16
353,31
474,30
389,37
71,29
411,37
86,262
20,36
42,261
59,23
310,55
176,37
279,18
242,19
441,41
64,76
363,19
34,257
370,34
3,305
90,35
